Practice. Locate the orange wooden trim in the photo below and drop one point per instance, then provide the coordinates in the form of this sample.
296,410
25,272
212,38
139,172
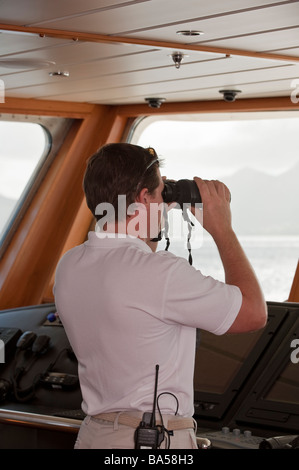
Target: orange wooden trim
213,106
294,293
117,131
100,38
46,108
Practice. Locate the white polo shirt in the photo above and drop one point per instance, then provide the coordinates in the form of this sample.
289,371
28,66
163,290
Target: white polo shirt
126,309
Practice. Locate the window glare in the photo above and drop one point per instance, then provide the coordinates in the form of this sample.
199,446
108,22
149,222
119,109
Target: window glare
23,144
256,156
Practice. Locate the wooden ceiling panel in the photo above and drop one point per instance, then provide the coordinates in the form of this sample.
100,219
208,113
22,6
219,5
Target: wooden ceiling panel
206,94
292,51
116,92
234,25
33,11
271,41
114,72
64,53
12,43
140,15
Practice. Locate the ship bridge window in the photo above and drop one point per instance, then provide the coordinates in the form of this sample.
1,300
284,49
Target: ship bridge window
24,146
256,156
28,145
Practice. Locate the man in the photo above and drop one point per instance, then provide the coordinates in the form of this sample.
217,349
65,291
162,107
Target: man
130,312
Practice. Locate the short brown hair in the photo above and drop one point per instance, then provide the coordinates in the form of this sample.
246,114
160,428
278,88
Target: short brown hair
119,169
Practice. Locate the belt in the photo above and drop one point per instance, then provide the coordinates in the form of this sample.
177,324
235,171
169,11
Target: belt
174,424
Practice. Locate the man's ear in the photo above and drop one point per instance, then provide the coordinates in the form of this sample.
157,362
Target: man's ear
143,196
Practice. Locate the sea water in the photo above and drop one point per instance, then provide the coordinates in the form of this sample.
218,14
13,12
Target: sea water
274,259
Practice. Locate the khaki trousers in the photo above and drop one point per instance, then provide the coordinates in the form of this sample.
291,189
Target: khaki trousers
98,433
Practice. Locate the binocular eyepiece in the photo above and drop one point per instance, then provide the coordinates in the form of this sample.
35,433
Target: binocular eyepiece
182,192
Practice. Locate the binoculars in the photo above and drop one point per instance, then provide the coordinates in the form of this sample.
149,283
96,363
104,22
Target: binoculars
182,192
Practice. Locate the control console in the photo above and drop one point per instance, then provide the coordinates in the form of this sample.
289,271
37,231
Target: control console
231,439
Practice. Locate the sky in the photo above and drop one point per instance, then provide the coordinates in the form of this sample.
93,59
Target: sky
21,147
213,149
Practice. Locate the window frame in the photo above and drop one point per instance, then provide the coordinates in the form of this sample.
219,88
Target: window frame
54,129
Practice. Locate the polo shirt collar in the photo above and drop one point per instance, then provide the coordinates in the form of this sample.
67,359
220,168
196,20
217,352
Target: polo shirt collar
113,240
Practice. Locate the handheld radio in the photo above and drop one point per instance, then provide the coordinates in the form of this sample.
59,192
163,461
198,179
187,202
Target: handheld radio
148,435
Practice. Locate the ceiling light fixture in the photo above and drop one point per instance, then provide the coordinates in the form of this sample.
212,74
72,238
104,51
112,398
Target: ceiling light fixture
190,32
229,95
155,102
59,73
177,58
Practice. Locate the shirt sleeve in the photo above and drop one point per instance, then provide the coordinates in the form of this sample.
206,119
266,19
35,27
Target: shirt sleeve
199,301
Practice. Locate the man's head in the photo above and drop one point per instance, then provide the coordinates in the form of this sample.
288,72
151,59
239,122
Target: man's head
120,169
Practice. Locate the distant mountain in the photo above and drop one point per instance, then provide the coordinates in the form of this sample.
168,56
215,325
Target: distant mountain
6,207
263,204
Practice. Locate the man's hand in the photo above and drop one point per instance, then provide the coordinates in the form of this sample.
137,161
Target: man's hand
216,206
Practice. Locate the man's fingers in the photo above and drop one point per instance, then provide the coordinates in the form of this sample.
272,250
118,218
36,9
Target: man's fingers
202,186
212,188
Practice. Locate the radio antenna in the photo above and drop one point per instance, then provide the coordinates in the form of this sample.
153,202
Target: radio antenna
153,419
